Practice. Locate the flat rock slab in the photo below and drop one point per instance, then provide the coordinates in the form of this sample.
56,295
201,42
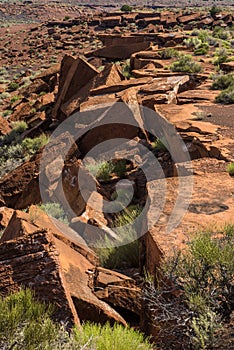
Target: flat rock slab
119,51
212,205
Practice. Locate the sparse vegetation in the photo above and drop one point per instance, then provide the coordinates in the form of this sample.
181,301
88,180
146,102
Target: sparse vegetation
220,56
226,96
159,145
126,8
26,324
169,53
215,10
14,150
103,170
223,81
15,98
55,210
185,63
13,86
230,169
114,255
203,278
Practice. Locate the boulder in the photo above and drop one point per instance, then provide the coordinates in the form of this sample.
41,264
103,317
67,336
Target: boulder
61,270
48,73
111,22
32,261
20,188
202,212
162,90
21,111
75,74
37,86
139,63
5,216
108,125
117,290
110,75
4,126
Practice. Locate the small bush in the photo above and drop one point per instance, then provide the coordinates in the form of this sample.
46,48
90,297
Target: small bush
193,42
226,96
14,150
126,255
221,56
185,64
19,314
31,146
215,10
103,170
54,210
202,49
126,8
230,169
25,324
19,127
13,86
221,33
15,98
107,338
7,113
126,69
168,53
159,145
222,82
202,276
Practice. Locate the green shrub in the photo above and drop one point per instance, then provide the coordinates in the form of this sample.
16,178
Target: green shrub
15,98
126,255
159,145
202,49
215,10
31,146
221,33
54,210
103,170
14,150
208,266
126,8
230,169
107,338
19,313
203,276
25,324
7,113
168,53
193,42
19,127
221,56
226,96
185,64
13,86
126,69
223,81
